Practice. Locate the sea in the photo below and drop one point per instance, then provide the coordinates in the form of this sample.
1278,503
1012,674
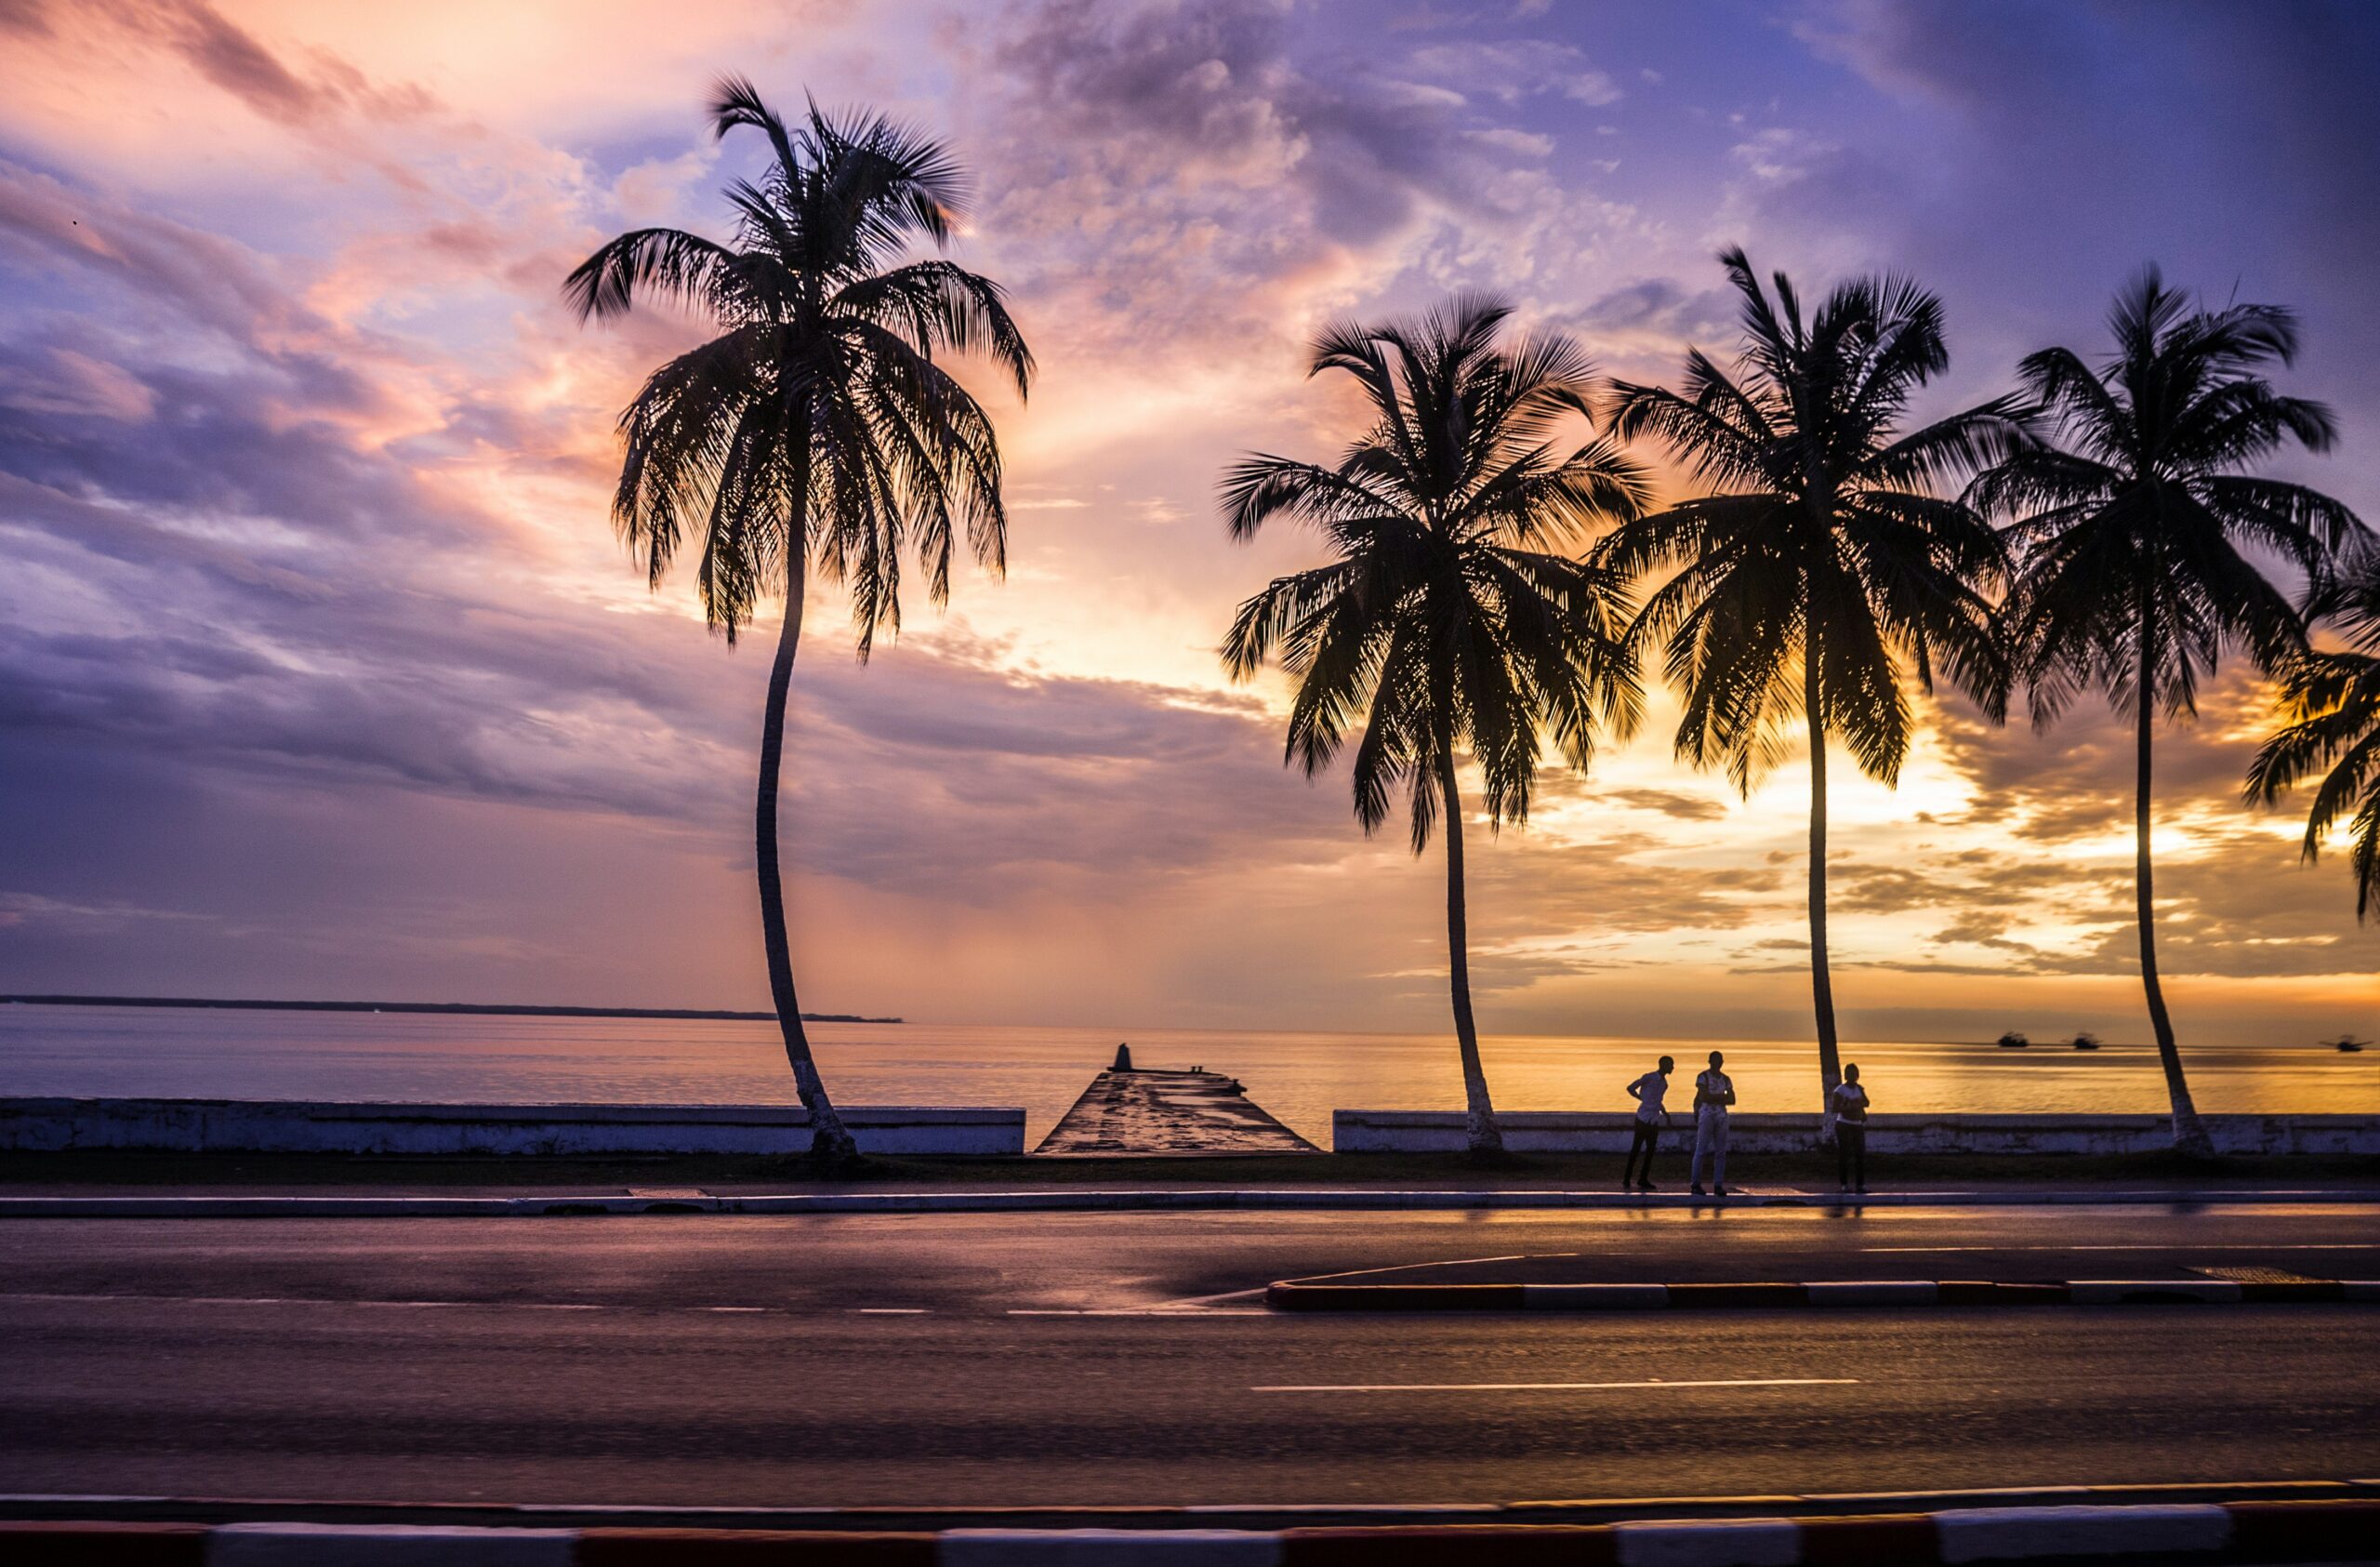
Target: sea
210,1053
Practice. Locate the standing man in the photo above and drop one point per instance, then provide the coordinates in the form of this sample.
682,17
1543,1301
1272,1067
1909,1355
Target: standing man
1713,1093
1849,1102
1648,1090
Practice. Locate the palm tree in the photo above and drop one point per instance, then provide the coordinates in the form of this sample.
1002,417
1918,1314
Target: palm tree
2329,702
817,427
2132,529
1447,622
1822,566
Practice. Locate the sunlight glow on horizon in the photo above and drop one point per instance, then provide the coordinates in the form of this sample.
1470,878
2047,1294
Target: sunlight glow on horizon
312,469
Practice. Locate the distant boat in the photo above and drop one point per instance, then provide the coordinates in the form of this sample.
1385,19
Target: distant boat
2012,1039
2087,1041
2348,1045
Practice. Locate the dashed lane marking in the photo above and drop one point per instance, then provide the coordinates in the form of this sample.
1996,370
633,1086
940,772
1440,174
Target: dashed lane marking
1178,1309
1549,1386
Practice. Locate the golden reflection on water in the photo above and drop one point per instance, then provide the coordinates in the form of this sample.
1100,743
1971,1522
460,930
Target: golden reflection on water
1300,1076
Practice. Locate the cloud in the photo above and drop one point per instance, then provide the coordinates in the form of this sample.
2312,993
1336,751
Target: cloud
233,61
1683,807
320,667
1510,69
1194,173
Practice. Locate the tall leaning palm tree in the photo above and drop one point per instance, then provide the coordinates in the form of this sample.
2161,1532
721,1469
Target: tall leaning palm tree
1823,572
2139,533
2330,708
817,431
1447,621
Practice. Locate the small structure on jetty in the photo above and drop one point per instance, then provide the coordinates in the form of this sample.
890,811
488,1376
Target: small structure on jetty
1131,1110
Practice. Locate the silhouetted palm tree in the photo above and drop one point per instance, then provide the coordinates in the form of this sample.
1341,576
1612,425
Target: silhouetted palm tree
1446,623
2131,531
2329,702
816,425
1823,568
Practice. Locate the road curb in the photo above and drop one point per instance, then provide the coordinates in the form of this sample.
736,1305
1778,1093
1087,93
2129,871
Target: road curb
1060,1200
2211,1531
1290,1294
651,1521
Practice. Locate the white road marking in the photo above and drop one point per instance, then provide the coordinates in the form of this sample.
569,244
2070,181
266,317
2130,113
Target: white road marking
2175,1246
1563,1386
1450,1262
379,1304
577,1305
172,1299
1128,1311
1210,1299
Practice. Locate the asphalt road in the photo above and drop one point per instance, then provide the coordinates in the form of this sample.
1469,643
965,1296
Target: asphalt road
942,1360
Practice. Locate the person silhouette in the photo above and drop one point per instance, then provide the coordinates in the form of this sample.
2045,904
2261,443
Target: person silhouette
1713,1093
1648,1090
1849,1103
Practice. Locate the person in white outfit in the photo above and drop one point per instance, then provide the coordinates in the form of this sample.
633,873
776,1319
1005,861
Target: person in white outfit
1713,1093
1648,1091
1849,1102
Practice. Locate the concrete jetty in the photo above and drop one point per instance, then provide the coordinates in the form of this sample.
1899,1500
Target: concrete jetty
1169,1113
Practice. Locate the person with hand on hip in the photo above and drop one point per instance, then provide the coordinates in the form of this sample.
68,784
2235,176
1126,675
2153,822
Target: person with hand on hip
1713,1093
1849,1103
1648,1091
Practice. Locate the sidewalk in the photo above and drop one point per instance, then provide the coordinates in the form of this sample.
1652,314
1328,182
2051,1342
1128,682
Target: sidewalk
219,1202
1317,1180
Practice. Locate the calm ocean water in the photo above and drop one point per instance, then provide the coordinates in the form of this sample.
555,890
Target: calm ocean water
1300,1076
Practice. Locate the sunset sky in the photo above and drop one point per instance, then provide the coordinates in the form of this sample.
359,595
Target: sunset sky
322,673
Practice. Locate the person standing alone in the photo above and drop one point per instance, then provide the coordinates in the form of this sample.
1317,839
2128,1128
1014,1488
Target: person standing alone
1648,1091
1713,1093
1849,1103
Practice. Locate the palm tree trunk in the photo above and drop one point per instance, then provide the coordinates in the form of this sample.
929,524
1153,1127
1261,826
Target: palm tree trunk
1821,982
1479,1114
2189,1136
830,1144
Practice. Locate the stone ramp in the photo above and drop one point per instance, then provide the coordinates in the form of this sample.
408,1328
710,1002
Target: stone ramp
1172,1114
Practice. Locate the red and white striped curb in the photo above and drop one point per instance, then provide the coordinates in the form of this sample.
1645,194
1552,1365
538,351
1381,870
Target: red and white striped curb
1292,1296
2264,1532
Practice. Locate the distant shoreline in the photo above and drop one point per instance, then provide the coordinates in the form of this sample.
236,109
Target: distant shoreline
470,1009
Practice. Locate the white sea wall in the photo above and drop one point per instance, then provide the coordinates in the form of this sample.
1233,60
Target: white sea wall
299,1126
1609,1132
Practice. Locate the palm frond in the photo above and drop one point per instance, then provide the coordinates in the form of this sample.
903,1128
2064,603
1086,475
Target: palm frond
818,425
1438,626
670,262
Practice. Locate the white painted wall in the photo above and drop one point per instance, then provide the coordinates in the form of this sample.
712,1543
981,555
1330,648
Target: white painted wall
292,1126
297,1126
1609,1132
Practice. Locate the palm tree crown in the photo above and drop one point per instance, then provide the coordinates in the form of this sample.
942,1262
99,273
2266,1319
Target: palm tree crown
1446,624
1447,621
2138,535
2131,523
2329,707
1823,564
817,425
819,407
